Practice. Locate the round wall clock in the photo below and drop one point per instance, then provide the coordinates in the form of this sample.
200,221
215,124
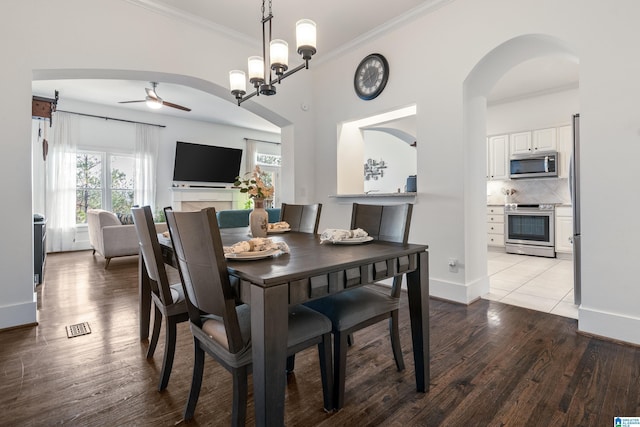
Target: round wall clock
371,76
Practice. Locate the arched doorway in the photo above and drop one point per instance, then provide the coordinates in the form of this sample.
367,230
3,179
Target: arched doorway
477,87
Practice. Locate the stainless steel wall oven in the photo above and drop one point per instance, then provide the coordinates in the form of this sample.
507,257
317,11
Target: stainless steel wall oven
529,230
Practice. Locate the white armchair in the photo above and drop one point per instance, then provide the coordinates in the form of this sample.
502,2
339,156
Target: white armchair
110,238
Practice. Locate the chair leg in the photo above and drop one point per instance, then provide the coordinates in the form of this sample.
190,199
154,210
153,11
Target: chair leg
394,332
155,334
326,372
169,352
106,262
339,368
240,390
350,340
291,363
196,380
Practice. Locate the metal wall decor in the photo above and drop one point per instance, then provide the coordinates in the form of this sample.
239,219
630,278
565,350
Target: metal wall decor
374,169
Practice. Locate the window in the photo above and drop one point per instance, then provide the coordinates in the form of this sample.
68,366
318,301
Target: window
270,165
103,181
268,159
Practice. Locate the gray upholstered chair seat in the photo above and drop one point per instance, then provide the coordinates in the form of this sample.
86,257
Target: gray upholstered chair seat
177,292
348,309
304,324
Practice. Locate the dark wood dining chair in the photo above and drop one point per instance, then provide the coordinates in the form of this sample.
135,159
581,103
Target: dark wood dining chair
168,300
302,218
358,308
222,328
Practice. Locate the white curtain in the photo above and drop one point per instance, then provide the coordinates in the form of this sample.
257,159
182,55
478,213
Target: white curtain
61,183
250,159
146,156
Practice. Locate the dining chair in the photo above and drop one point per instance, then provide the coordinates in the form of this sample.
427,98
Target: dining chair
222,328
302,218
168,300
358,308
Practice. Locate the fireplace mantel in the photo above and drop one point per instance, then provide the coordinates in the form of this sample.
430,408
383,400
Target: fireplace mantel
196,198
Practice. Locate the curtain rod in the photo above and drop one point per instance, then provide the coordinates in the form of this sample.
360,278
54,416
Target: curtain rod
111,118
259,140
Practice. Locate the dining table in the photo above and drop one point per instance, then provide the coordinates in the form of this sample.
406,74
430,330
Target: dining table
312,269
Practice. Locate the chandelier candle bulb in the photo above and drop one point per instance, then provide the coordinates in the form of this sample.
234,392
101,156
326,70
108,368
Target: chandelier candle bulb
306,38
256,70
279,53
238,83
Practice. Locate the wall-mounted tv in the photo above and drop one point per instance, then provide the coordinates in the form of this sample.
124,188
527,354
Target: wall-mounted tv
206,163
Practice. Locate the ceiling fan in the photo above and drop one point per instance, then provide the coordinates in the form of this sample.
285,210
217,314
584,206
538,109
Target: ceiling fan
154,101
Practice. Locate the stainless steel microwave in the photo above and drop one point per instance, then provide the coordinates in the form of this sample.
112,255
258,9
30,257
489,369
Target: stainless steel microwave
538,165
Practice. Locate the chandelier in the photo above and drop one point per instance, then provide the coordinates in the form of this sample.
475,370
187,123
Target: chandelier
262,68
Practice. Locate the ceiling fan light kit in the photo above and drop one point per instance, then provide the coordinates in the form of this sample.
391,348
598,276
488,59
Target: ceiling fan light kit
153,103
278,59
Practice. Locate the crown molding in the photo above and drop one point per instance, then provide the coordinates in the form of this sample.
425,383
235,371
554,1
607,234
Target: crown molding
172,12
425,7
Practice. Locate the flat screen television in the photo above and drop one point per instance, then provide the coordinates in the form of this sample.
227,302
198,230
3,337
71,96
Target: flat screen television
208,164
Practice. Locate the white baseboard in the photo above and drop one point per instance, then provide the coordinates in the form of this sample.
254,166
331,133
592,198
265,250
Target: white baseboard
18,314
610,325
464,293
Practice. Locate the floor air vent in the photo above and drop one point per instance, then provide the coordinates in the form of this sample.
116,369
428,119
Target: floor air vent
78,329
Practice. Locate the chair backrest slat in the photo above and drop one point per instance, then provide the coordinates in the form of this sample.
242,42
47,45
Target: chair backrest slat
302,218
389,223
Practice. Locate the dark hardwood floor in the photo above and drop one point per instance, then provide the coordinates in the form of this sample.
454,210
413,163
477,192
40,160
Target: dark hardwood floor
491,365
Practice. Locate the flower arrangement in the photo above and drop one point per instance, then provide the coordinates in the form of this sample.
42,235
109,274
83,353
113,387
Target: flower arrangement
256,184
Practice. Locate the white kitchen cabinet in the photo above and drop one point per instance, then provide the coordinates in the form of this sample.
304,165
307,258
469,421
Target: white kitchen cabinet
532,142
564,229
520,143
498,157
495,226
565,147
544,140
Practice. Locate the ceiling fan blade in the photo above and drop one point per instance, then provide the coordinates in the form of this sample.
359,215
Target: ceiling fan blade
129,102
179,107
152,93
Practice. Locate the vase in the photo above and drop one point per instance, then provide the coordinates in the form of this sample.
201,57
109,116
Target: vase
258,219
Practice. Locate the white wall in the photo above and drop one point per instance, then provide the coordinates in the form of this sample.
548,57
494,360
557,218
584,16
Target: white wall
537,112
452,42
430,59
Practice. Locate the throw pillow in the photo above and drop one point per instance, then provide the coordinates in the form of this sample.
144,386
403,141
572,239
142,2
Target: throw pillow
125,218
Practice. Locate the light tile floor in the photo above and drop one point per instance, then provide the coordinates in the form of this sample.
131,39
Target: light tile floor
542,284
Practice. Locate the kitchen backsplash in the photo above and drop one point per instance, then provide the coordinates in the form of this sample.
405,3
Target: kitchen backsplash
530,191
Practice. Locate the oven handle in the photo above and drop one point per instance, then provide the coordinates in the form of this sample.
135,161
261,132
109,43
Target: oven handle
548,213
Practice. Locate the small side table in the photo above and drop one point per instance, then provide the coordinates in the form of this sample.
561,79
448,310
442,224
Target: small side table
39,250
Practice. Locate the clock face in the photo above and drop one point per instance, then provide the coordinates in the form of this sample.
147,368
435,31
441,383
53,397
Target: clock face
371,76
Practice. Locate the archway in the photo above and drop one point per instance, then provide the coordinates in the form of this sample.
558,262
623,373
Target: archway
193,82
477,87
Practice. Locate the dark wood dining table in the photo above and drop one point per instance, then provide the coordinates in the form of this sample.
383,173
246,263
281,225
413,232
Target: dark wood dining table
311,270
